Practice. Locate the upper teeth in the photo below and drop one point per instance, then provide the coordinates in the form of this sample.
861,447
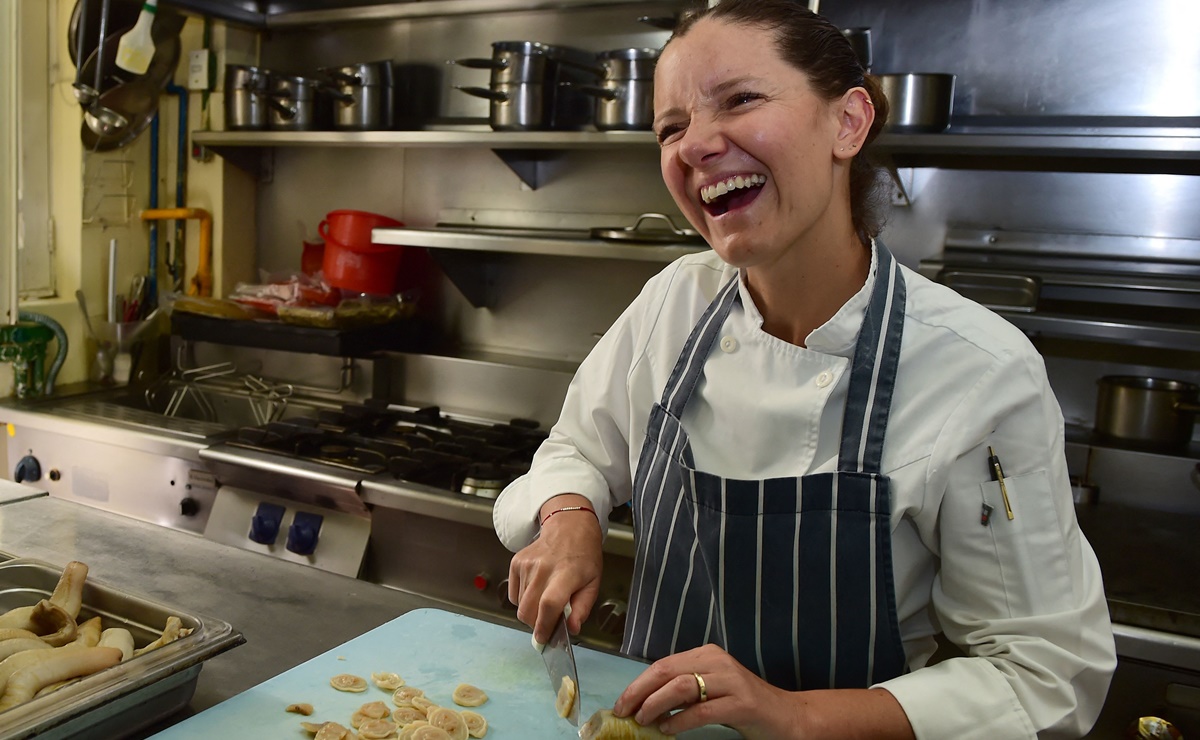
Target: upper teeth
712,192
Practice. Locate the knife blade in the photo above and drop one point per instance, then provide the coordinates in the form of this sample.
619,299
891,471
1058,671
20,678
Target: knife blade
560,663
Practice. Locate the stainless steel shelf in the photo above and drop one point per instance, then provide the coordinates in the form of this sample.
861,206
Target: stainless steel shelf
1186,145
295,13
465,255
465,240
1123,332
483,137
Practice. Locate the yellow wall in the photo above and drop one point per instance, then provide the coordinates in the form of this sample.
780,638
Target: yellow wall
96,197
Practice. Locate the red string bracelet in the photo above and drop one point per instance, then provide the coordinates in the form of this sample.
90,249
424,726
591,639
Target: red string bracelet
567,508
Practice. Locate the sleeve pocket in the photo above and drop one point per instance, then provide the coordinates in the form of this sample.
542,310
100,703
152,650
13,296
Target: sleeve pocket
1030,551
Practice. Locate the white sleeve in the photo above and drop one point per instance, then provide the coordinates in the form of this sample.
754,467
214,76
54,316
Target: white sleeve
1022,598
587,451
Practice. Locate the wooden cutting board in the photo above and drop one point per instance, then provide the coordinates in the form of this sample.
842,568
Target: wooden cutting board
434,650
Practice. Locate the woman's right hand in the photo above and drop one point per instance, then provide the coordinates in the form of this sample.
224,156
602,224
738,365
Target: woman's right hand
562,565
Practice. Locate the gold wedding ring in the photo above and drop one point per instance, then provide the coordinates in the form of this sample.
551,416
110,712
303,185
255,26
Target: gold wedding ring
702,687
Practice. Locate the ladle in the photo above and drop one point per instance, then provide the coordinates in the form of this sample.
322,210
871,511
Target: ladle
102,120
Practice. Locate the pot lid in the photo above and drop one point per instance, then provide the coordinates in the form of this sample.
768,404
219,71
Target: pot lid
670,234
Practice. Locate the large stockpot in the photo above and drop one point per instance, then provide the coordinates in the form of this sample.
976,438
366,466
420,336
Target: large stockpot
292,101
918,103
246,97
362,95
1155,411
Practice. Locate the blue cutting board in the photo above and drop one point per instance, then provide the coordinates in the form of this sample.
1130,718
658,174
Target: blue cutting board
433,650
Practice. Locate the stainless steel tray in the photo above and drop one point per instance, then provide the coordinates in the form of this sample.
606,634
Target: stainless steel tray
119,701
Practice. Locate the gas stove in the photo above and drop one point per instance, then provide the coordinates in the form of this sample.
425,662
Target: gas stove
417,445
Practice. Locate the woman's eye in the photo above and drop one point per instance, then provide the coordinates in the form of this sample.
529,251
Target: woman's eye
742,98
666,133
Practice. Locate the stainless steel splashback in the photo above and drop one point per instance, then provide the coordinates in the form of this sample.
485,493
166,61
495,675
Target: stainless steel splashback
1027,59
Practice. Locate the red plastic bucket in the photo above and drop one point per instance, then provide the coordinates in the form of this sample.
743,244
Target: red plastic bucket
354,227
367,268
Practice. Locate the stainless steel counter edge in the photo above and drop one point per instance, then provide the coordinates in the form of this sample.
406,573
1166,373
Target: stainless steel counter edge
1153,646
157,441
471,510
287,612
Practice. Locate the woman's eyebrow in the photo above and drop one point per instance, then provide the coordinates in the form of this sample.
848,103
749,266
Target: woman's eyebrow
716,91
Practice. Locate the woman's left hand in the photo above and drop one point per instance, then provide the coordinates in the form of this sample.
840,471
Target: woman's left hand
732,696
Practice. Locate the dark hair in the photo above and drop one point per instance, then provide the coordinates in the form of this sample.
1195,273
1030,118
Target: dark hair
816,47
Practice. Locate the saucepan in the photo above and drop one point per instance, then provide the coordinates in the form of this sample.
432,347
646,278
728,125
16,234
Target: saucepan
1152,411
919,103
625,92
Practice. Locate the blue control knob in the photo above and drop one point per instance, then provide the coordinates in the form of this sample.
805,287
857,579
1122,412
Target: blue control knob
28,469
303,534
264,526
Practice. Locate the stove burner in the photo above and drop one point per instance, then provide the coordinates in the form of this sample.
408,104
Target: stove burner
485,480
335,451
417,446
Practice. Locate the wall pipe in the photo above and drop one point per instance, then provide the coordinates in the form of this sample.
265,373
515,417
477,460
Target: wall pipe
201,284
152,278
181,156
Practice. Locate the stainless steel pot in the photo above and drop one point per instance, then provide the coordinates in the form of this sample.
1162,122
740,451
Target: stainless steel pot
292,101
515,107
920,103
513,62
625,94
1154,411
246,97
860,40
362,95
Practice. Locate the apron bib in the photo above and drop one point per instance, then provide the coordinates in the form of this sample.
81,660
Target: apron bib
791,576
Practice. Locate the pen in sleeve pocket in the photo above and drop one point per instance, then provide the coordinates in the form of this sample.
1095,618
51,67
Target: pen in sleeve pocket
998,476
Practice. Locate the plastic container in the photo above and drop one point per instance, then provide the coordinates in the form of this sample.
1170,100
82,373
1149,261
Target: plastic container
353,228
366,268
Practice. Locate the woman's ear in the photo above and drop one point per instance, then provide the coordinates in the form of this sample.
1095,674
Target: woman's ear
856,114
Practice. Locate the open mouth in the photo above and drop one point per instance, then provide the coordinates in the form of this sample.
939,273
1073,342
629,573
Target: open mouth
730,193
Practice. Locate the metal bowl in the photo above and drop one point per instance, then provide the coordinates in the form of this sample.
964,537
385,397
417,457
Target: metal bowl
919,103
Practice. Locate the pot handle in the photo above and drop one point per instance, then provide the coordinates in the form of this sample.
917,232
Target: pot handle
479,63
323,228
483,92
1187,406
336,94
345,79
597,71
599,92
285,110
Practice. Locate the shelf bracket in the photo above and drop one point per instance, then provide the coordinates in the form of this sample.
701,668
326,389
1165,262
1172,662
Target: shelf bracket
907,183
473,273
528,164
258,161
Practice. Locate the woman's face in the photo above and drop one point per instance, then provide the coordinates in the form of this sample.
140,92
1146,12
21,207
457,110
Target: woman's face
747,145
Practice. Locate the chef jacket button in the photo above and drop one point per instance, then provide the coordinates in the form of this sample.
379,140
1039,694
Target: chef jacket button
728,344
824,379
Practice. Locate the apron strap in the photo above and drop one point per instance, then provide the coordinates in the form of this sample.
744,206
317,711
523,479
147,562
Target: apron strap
873,369
690,365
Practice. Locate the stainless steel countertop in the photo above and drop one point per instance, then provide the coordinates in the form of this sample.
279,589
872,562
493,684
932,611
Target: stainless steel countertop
288,613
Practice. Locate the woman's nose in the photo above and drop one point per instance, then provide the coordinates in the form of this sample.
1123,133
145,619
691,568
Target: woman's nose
702,141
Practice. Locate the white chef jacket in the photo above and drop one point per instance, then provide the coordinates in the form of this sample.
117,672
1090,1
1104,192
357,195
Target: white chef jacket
1023,598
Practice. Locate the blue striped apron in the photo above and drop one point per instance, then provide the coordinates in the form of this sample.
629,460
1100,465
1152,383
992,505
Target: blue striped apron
791,576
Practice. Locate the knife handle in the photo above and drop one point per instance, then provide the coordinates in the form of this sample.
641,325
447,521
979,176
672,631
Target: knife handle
540,646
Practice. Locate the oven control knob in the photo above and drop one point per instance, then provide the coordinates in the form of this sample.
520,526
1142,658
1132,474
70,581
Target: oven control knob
611,614
481,582
264,525
189,506
28,469
303,534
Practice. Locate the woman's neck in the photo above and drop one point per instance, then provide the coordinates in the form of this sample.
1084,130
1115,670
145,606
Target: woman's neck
806,288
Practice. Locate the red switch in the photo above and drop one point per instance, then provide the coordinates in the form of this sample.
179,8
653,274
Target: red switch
481,582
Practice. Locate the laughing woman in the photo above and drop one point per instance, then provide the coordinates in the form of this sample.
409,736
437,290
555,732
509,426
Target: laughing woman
804,428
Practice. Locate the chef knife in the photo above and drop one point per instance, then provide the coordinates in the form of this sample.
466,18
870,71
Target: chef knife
560,663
